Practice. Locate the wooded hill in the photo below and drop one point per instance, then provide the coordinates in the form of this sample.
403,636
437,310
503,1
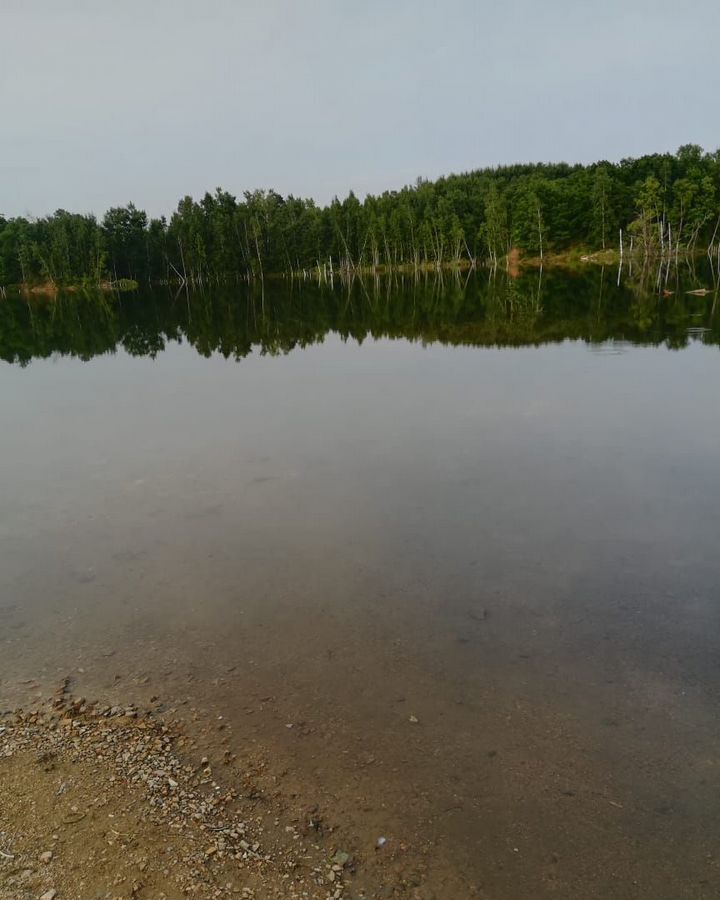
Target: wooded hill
664,204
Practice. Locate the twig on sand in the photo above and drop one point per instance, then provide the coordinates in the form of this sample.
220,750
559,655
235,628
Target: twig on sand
73,821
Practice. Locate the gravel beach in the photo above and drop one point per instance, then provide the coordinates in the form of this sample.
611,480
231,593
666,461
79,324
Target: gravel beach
111,802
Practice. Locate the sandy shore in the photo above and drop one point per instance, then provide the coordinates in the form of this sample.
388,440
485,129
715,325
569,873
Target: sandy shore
113,802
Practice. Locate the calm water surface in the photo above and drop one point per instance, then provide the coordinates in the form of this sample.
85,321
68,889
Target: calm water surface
493,508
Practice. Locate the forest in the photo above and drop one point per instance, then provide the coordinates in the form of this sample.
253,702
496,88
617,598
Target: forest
658,205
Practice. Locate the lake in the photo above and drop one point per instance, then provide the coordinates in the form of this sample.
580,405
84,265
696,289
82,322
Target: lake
444,549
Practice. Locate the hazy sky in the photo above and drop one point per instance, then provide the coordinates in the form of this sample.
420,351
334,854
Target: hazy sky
107,101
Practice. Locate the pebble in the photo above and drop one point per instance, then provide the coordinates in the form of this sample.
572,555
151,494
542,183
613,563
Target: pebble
49,895
46,856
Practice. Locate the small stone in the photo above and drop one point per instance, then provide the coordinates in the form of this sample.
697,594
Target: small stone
341,858
49,895
414,720
46,856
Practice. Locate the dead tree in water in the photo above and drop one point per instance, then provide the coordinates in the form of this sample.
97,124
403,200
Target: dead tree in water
182,260
540,230
712,239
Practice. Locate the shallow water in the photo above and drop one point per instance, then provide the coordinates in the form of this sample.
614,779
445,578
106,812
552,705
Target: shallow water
489,506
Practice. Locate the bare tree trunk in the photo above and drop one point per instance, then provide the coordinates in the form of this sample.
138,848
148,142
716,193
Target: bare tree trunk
259,256
470,256
182,260
540,234
714,235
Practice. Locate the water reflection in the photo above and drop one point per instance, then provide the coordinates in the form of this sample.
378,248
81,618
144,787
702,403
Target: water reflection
475,309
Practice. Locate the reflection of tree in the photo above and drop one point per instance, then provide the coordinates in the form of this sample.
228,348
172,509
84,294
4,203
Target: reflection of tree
475,310
75,324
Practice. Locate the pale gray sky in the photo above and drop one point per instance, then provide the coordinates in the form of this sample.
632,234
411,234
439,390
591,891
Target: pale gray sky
107,101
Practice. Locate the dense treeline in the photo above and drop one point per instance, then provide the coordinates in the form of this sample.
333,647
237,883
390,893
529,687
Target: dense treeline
663,203
471,310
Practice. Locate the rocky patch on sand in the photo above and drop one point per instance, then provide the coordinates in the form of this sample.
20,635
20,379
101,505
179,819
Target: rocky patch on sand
107,802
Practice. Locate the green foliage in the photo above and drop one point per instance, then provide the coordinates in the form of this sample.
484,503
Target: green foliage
662,199
125,233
